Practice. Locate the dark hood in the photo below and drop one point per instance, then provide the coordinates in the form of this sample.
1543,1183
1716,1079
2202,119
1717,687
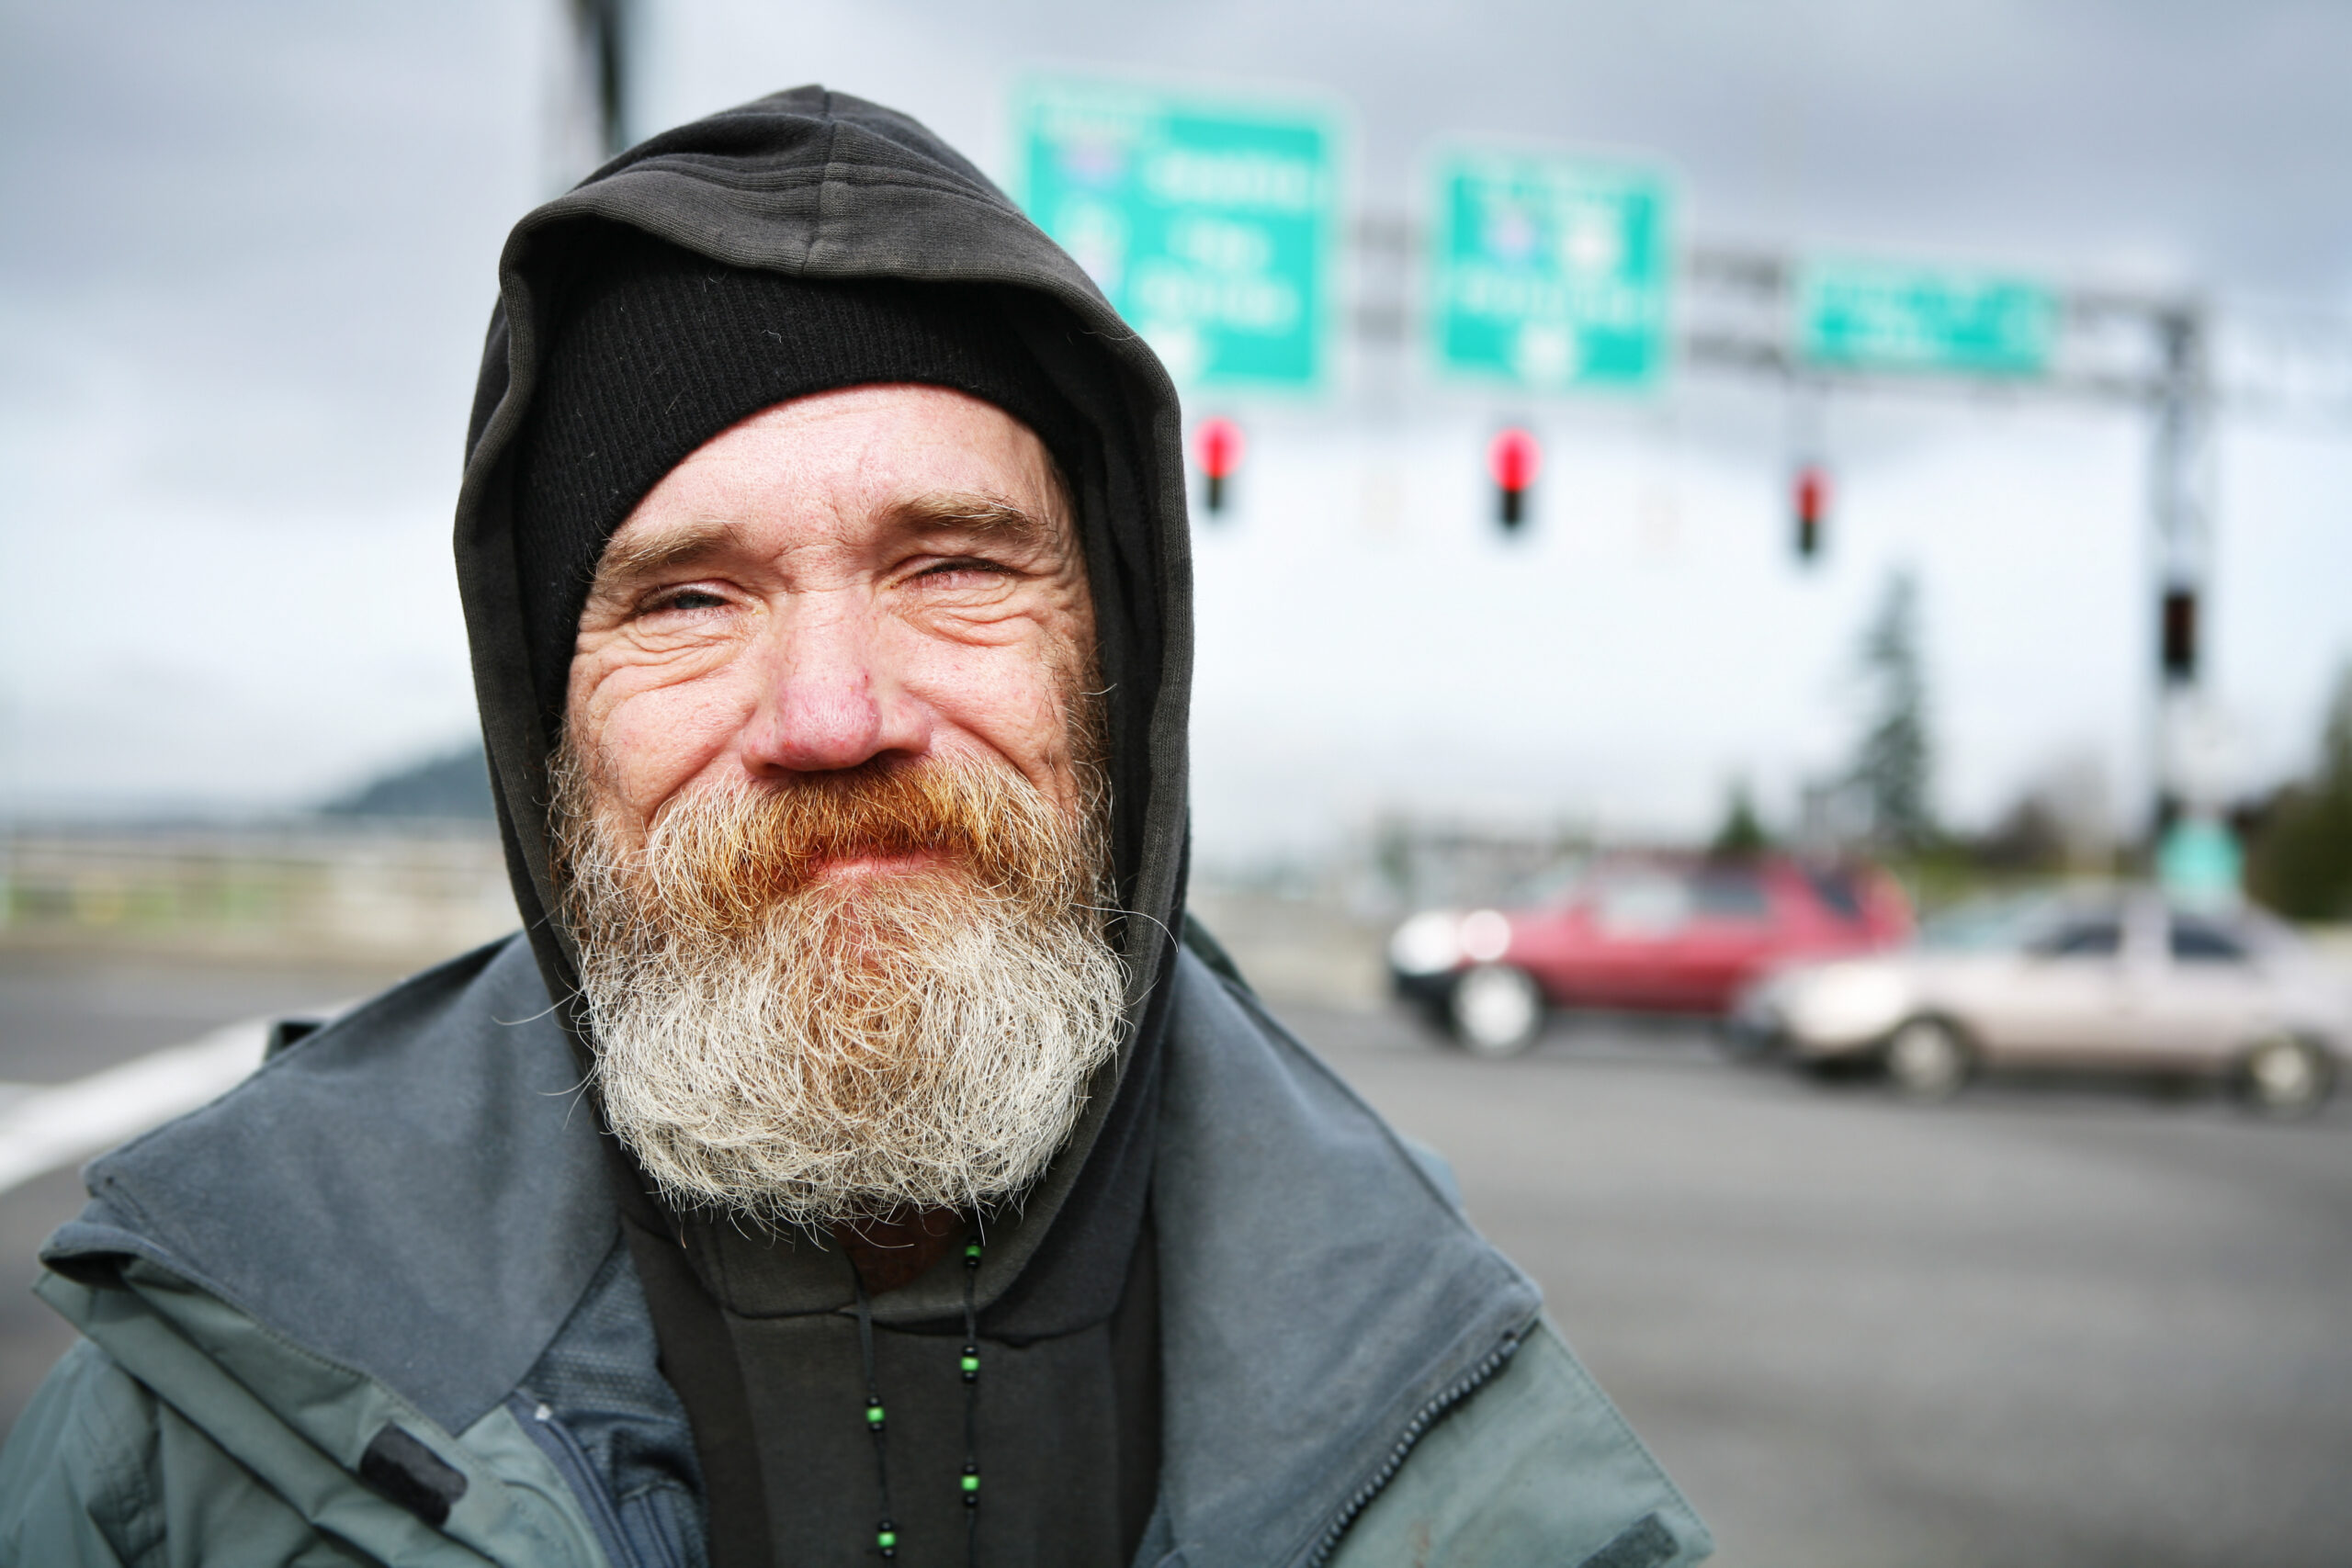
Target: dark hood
827,186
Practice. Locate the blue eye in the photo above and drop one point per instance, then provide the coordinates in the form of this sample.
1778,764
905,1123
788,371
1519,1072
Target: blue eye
692,598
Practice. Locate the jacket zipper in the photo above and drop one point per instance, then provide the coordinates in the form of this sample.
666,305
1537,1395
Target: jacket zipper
570,1459
1447,1398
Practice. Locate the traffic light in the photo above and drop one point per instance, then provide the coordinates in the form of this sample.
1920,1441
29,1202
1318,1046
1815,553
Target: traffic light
1513,459
2177,654
1216,447
1811,507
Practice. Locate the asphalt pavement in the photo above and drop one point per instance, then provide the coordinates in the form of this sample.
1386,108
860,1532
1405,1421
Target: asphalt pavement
2073,1325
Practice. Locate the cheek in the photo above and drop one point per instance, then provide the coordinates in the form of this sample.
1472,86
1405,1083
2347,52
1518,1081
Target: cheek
649,740
1010,701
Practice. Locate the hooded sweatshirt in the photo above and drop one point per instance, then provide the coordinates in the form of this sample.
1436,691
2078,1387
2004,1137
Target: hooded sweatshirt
395,1298
757,1330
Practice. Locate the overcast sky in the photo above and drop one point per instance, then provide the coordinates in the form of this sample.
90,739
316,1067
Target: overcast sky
249,253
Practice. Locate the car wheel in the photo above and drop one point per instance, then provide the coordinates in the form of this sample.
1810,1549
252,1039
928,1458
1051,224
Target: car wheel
1496,1011
2286,1077
1926,1059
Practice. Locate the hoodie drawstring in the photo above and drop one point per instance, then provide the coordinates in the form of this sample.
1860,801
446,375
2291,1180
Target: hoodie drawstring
885,1531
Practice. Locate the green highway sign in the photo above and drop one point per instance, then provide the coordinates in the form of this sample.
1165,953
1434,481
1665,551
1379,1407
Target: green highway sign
1551,272
1210,223
1891,316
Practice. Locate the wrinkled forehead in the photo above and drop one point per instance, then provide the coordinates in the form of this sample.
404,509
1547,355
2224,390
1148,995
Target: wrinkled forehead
853,469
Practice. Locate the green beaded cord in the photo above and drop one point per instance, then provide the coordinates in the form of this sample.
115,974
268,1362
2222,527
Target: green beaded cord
971,1366
886,1533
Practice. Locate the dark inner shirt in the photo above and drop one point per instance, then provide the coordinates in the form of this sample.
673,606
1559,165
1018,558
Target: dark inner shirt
759,1336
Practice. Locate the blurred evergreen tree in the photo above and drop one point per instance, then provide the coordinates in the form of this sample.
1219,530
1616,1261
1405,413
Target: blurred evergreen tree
2299,862
1742,834
1892,765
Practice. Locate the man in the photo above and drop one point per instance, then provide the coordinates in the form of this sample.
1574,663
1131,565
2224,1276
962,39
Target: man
850,1163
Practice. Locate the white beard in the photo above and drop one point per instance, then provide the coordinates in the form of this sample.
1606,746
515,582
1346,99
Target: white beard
807,1052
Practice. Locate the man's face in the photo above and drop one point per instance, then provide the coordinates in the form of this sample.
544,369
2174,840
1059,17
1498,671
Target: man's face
881,575
829,816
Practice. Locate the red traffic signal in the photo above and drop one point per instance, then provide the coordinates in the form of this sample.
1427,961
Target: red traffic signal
1811,507
1216,447
1513,459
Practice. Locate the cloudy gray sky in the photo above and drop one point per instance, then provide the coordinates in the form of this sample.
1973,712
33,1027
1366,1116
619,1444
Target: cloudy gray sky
250,248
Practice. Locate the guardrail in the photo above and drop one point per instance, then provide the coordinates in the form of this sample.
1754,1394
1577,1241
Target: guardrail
358,889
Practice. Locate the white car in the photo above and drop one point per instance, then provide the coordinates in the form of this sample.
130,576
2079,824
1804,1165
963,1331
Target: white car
2116,979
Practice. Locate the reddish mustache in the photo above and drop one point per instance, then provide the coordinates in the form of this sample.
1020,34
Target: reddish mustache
743,851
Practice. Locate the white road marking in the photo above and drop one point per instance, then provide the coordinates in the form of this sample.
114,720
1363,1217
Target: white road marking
45,1127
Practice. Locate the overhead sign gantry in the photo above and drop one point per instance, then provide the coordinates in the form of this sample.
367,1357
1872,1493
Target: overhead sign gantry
1213,224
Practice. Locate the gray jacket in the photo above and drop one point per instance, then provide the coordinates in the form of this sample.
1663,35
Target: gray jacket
371,1306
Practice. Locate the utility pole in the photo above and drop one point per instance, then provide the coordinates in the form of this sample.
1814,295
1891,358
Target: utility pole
603,29
588,109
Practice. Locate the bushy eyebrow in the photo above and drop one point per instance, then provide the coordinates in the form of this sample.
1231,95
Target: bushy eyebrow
666,550
983,516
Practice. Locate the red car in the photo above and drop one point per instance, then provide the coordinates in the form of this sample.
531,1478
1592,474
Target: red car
1649,934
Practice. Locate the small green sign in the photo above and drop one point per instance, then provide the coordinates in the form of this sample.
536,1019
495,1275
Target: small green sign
1890,316
2199,861
1211,224
1551,272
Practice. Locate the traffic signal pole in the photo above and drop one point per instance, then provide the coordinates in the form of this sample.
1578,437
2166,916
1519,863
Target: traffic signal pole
2180,469
2152,354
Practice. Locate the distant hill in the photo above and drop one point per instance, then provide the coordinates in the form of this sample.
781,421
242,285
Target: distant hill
455,784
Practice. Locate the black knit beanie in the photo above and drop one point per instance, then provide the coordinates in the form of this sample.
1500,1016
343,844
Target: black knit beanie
657,350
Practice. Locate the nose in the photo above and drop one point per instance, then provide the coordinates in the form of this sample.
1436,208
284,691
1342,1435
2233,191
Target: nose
829,699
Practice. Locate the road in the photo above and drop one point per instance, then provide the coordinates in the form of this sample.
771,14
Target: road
2072,1326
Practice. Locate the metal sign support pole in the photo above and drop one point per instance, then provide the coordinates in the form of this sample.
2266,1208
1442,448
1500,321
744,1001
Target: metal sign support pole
2179,471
